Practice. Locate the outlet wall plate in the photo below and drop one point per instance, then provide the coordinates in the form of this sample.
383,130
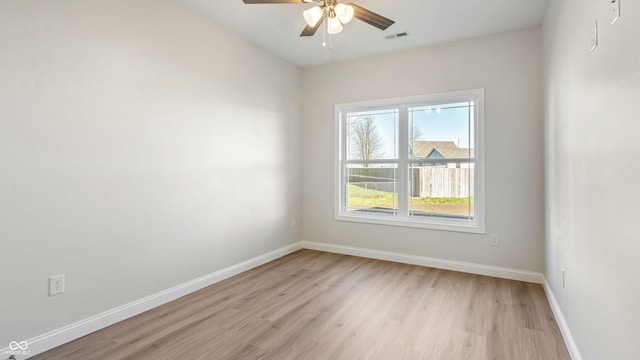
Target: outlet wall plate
56,285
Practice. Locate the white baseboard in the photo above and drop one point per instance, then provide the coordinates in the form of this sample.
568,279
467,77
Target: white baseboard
479,269
562,323
48,341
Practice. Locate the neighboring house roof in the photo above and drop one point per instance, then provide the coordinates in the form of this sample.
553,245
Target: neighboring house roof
440,150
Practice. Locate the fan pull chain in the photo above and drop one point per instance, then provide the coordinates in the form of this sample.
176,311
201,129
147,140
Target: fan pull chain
324,35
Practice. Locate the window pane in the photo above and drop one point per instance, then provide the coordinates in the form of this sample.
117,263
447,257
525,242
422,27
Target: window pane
442,131
372,189
442,190
372,135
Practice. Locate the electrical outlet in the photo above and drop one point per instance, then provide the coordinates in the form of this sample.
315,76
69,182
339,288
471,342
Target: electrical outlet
56,285
563,283
494,241
615,8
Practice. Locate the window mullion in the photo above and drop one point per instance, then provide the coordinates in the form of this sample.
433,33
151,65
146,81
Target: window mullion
403,172
343,166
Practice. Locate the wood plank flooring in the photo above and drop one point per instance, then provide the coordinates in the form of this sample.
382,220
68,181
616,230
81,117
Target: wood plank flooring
315,305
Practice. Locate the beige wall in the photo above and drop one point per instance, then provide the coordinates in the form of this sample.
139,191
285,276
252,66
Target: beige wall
509,67
593,152
125,131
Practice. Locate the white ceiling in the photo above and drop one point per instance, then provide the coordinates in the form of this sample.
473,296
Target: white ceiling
276,27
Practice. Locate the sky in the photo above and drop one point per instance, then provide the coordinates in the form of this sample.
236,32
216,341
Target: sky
446,122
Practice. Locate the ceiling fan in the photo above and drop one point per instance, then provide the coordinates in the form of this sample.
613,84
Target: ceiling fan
334,11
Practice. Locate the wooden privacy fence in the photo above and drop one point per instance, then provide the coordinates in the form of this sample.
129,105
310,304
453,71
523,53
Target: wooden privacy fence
443,182
437,182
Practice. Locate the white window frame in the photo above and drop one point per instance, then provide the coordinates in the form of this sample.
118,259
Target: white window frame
402,218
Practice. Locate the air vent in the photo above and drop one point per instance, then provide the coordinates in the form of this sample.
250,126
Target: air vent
395,36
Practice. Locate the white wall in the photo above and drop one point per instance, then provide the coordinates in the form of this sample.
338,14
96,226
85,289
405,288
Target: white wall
509,67
593,152
141,147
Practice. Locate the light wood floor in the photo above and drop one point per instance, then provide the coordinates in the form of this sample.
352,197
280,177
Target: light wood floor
315,305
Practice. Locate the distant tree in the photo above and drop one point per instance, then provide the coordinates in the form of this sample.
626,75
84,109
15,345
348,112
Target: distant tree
416,135
366,143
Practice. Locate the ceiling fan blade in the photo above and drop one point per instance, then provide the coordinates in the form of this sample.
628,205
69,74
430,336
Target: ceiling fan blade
311,30
371,18
274,1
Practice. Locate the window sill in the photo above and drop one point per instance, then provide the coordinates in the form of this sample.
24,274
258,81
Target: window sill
435,224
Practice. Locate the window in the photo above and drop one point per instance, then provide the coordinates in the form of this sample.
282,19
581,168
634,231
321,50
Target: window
414,162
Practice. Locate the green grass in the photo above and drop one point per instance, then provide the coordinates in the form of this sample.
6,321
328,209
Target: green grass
444,200
361,197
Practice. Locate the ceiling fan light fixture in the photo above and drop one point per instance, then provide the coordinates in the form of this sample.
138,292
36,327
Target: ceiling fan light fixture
344,12
331,15
313,15
335,26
